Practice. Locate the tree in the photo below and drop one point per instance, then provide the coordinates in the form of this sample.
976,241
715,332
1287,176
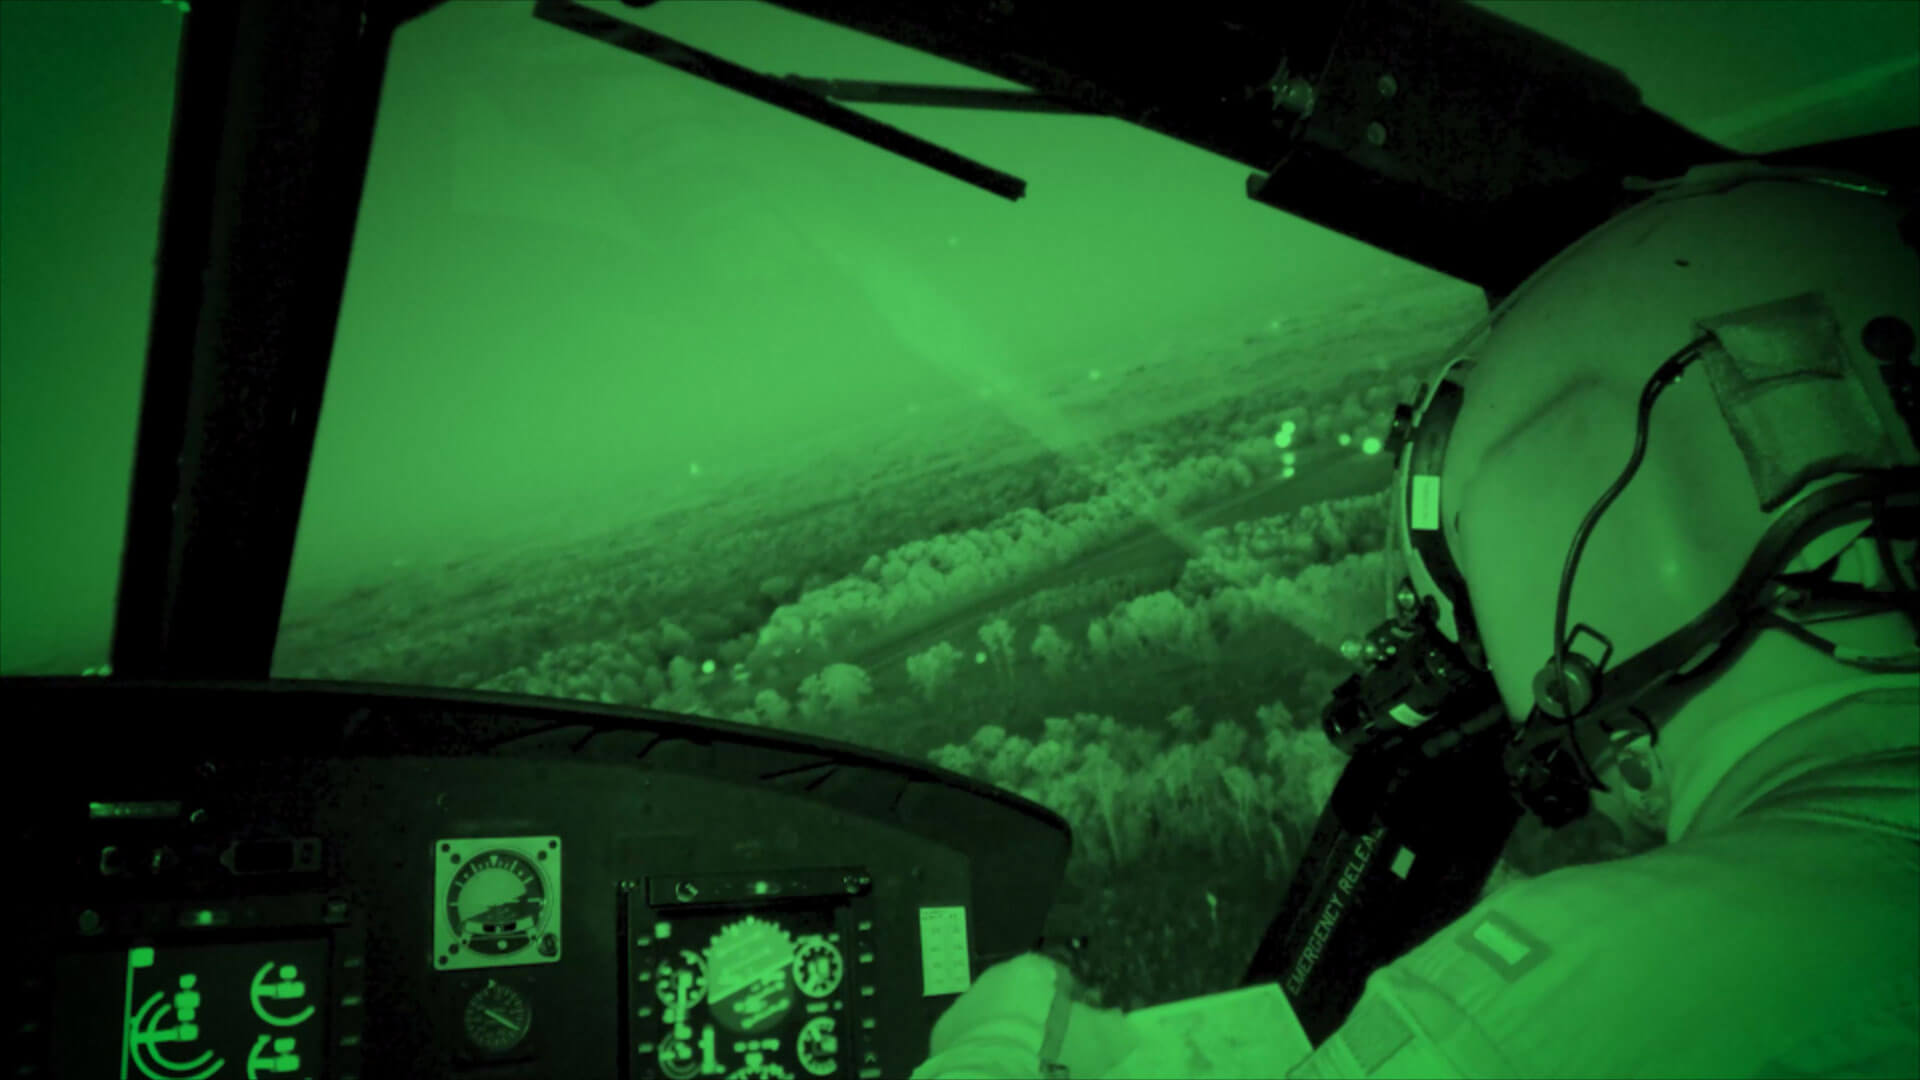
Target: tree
736,650
1049,758
997,636
931,670
1009,763
844,687
1226,742
926,579
772,709
643,643
1097,639
627,691
1054,652
1275,717
1161,622
674,638
811,700
1124,637
908,597
1332,534
987,740
683,689
965,578
683,676
786,626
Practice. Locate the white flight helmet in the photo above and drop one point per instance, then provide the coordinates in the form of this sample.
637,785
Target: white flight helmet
1783,302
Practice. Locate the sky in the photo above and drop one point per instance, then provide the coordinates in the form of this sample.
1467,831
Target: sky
580,271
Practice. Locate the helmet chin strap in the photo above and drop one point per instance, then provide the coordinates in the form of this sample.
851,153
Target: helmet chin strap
1644,791
1631,752
1862,582
1629,766
1634,759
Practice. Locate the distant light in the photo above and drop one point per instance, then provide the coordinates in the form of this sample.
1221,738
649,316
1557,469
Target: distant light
1094,375
1370,446
706,667
1345,439
979,658
1283,438
694,469
1286,474
1287,427
1286,458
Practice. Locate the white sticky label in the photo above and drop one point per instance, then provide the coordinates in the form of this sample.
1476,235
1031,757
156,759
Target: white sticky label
1425,512
1402,863
1407,715
1501,943
943,950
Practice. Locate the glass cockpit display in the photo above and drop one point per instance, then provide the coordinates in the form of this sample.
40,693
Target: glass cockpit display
759,995
193,1012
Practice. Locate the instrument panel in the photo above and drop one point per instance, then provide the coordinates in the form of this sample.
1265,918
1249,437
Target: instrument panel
743,906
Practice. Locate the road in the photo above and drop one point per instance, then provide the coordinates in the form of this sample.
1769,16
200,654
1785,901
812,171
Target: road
1338,475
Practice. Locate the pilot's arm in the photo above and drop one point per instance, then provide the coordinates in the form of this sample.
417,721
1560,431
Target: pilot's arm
1020,1019
1781,945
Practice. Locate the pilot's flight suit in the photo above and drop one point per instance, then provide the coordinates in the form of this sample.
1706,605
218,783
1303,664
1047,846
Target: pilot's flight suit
1776,935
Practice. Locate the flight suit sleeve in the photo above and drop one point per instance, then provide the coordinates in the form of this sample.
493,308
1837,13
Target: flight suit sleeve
1414,1019
1019,1020
1384,1038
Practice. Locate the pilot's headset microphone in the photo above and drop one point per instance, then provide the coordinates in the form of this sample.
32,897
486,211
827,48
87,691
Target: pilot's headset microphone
1795,293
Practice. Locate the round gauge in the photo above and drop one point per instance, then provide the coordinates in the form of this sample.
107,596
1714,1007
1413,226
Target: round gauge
817,967
497,1017
496,902
681,983
678,1058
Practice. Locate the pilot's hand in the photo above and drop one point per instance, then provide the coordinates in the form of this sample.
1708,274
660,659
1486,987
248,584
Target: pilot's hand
1019,1019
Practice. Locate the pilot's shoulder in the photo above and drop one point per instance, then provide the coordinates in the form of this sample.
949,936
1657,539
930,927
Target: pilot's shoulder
1755,929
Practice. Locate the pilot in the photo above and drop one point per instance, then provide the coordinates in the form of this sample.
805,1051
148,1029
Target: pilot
1770,926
